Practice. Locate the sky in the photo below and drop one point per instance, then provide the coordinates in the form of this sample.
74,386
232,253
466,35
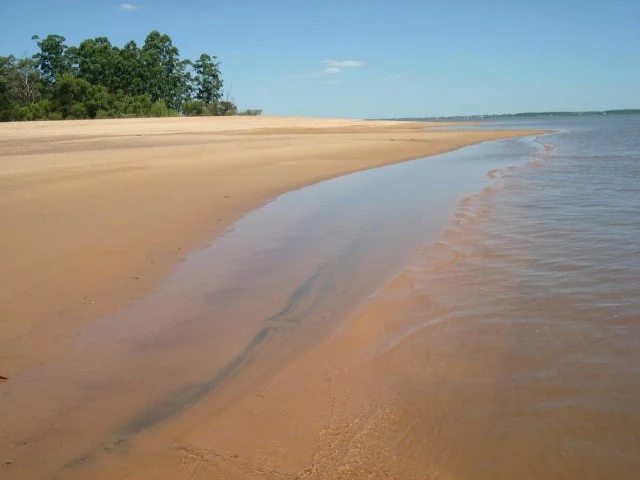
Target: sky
376,58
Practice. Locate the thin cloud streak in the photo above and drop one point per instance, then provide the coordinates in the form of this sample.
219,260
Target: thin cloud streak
344,63
331,67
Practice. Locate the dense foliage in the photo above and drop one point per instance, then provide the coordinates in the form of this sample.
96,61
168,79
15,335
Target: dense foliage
99,80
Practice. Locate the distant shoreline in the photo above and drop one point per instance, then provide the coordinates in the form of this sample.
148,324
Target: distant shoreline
463,118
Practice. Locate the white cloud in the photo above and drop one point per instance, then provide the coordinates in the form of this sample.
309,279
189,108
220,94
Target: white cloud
128,6
344,63
331,67
332,82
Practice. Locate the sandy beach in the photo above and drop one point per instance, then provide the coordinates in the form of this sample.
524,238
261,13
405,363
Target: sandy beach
95,214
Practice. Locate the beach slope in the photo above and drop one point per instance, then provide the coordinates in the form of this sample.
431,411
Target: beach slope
94,213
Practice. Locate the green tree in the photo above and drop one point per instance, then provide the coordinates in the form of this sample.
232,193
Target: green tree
96,59
99,80
19,86
69,94
7,102
227,108
166,78
53,59
129,74
192,108
208,82
41,110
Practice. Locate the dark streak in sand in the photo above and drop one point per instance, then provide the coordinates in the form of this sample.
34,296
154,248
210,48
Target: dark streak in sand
293,313
187,397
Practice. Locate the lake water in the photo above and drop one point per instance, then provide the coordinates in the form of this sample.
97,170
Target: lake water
526,362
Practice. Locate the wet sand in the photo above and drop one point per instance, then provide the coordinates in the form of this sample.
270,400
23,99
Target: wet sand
97,213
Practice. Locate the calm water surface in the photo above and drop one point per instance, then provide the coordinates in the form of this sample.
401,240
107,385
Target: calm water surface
539,282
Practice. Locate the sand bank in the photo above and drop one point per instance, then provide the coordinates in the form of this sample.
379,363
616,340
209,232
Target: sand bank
94,213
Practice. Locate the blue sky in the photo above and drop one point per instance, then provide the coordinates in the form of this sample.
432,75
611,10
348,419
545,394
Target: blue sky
372,59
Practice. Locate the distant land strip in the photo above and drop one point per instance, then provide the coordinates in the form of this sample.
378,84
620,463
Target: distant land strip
457,118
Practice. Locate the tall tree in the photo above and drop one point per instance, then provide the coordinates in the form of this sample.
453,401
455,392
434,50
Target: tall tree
165,72
96,59
7,64
208,82
129,76
26,80
53,59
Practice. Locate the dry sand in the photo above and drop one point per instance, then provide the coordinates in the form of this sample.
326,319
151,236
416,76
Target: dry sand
95,213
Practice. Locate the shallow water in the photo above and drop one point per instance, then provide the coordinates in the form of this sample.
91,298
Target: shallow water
525,361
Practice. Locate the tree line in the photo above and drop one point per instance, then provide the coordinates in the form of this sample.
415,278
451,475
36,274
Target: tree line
99,80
